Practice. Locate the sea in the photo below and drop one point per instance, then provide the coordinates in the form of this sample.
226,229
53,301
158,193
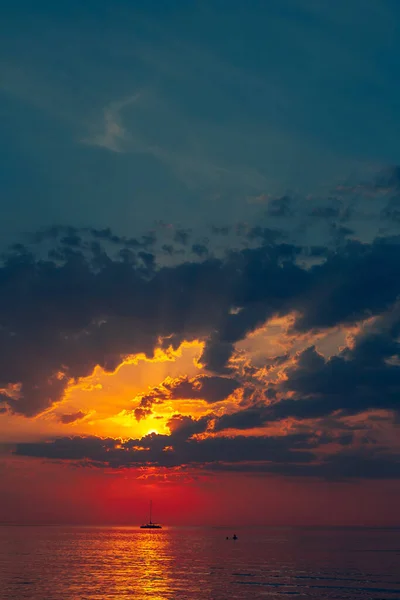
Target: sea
79,563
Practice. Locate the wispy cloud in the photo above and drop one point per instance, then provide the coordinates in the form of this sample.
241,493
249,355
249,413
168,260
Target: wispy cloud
188,162
113,134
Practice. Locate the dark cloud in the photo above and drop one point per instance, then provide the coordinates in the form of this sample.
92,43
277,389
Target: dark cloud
385,182
142,412
364,377
340,233
72,417
290,455
350,464
259,416
199,250
342,466
354,283
249,418
151,450
106,234
264,234
211,389
182,236
391,211
184,427
106,297
72,240
216,355
280,207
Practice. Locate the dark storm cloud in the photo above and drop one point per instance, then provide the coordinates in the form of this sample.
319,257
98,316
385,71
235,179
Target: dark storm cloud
259,416
353,283
75,236
364,377
184,427
391,211
349,464
182,236
248,418
211,389
90,297
290,455
199,250
72,417
340,233
307,211
216,355
265,234
156,449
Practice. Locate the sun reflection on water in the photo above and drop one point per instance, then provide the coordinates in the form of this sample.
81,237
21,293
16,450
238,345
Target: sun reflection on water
154,565
124,563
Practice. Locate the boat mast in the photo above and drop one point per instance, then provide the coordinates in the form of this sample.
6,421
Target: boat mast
150,510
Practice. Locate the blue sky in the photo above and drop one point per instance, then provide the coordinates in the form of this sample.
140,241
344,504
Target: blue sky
120,114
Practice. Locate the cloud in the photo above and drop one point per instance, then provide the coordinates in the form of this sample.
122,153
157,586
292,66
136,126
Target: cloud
200,250
279,207
352,284
182,236
249,418
361,378
289,455
96,298
184,427
189,160
211,389
72,417
384,183
113,134
353,464
73,299
185,450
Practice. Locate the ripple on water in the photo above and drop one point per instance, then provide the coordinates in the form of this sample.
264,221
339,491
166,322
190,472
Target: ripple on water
76,563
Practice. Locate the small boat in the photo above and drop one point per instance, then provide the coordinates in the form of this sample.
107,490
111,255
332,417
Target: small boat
150,524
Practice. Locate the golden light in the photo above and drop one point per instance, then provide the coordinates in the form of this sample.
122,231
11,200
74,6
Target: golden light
151,431
110,398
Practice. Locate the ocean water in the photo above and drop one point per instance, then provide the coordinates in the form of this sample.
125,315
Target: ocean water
71,563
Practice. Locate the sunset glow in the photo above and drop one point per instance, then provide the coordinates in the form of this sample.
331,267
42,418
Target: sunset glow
200,264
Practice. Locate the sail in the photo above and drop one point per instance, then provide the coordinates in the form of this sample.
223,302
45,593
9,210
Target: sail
150,524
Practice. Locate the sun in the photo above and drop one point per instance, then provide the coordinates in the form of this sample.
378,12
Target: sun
153,431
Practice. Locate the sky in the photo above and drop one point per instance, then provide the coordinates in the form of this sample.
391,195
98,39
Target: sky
200,262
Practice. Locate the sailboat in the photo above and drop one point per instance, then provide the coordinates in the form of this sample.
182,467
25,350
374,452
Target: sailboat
150,524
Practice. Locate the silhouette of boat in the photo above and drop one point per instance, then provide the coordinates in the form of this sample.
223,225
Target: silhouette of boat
150,524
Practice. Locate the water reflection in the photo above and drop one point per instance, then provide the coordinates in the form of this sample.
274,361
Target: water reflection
131,563
120,563
153,565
